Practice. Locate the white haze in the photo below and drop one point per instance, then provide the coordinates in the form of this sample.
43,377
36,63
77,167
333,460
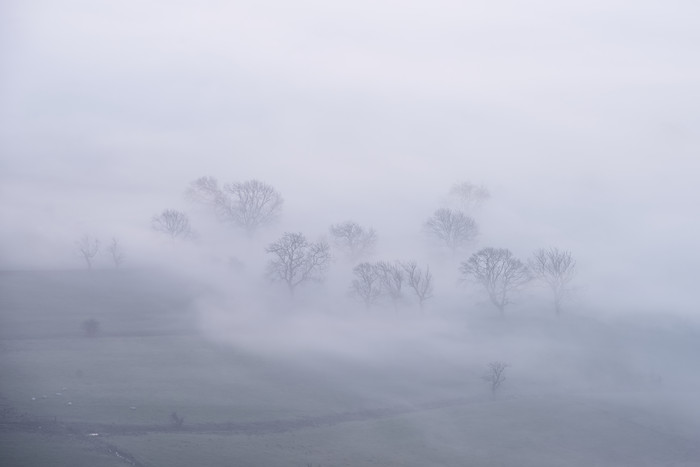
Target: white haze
581,118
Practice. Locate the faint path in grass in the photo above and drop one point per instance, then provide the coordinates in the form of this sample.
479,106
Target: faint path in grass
124,456
21,422
13,421
97,433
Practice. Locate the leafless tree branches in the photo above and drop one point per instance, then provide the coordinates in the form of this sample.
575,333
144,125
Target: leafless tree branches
495,375
384,279
249,205
204,190
556,268
468,196
391,278
498,271
353,240
420,282
454,229
173,223
366,285
88,248
297,261
115,251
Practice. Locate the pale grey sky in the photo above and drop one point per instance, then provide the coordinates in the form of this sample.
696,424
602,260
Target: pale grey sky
582,117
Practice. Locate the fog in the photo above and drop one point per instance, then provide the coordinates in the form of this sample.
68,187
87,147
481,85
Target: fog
581,119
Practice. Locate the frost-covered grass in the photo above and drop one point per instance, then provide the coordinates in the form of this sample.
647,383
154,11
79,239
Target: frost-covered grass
524,432
35,449
578,392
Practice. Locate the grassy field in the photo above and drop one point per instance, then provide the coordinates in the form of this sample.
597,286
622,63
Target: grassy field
411,402
522,432
40,449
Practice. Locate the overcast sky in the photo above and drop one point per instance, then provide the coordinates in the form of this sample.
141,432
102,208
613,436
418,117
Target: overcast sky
581,117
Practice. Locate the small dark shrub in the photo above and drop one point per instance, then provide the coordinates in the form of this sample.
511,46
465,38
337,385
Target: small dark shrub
176,421
91,327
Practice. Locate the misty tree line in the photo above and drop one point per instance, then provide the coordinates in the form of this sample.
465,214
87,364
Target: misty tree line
88,247
295,261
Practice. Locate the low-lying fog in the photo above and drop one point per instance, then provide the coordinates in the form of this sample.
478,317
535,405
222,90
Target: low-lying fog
578,120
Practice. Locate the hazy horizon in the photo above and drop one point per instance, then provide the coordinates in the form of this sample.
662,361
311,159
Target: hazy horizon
581,119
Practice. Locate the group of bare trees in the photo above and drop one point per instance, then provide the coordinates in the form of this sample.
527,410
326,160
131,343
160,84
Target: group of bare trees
248,205
353,240
497,270
502,274
251,205
296,261
88,248
385,280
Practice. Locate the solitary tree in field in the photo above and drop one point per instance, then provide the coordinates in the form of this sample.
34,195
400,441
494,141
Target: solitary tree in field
115,251
88,248
556,268
353,240
498,271
453,229
419,281
495,375
296,261
173,223
367,285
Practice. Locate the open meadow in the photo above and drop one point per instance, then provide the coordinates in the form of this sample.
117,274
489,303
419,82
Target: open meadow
149,387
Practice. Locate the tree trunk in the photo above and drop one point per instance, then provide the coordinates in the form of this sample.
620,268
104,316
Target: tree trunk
557,304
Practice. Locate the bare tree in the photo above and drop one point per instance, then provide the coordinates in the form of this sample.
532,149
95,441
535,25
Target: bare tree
452,228
391,278
88,248
366,285
173,223
205,190
353,240
297,261
495,375
250,205
556,268
420,282
115,251
498,271
468,196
